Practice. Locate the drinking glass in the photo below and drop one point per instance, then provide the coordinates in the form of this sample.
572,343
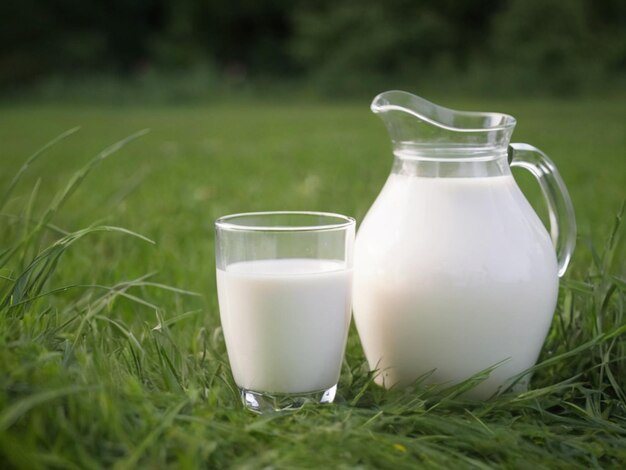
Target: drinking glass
284,282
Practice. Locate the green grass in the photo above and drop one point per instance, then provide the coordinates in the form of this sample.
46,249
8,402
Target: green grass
108,358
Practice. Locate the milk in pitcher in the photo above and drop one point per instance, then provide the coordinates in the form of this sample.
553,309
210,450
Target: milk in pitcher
451,278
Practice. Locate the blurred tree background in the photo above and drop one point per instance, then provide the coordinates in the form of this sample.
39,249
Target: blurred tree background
566,47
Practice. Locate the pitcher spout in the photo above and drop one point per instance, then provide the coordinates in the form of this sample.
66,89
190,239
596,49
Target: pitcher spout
421,128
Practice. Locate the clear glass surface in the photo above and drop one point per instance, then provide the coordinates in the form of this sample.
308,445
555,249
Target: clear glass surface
432,141
284,282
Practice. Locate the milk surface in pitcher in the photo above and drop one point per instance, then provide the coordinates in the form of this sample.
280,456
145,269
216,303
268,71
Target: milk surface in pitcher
468,280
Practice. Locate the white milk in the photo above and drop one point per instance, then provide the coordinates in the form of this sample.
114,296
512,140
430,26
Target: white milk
452,275
285,322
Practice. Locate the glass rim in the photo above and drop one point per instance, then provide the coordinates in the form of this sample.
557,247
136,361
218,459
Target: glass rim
342,222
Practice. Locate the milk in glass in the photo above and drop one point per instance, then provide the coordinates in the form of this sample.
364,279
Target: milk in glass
285,322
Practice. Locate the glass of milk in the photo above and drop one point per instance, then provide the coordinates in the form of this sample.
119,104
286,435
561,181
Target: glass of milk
284,283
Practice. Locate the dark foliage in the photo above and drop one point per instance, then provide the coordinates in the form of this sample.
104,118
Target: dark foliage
561,45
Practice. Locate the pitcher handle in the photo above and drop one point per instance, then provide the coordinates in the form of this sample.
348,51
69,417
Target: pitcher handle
562,218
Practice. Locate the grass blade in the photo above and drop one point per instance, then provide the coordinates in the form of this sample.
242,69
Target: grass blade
11,414
29,161
81,174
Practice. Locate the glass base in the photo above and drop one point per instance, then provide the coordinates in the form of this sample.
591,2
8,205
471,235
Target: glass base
261,402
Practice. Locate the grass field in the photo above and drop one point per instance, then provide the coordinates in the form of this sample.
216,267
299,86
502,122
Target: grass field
111,352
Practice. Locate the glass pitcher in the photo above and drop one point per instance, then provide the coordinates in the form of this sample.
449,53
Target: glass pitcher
454,272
